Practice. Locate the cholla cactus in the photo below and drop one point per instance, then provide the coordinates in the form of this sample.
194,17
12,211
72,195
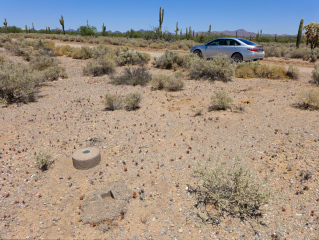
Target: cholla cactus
312,34
62,24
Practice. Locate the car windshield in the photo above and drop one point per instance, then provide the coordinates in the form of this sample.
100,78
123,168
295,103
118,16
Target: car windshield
247,42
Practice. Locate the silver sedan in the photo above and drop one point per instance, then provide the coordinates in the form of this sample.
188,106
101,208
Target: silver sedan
238,49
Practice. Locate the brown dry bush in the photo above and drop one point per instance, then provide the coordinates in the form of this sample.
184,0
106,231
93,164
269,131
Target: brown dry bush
4,39
271,71
292,72
132,100
20,47
220,101
137,76
170,83
43,62
100,66
315,74
63,50
43,159
54,73
231,188
309,99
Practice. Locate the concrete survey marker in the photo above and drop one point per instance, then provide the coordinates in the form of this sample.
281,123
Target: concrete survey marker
106,204
86,158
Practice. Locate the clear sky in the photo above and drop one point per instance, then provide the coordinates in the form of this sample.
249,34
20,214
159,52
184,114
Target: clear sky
272,16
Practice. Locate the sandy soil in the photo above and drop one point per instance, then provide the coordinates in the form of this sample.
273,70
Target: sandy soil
157,145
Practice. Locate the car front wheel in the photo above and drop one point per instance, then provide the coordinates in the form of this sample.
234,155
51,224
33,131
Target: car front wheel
198,53
237,57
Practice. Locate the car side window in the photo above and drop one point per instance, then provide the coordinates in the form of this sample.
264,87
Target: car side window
213,43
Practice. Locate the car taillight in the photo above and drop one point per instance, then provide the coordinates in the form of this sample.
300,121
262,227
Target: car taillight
253,49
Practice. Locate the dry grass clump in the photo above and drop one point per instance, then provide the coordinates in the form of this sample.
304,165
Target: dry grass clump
112,102
54,73
315,75
132,58
63,50
2,59
219,101
171,83
100,66
82,53
131,101
17,83
270,71
43,159
137,76
231,188
4,39
309,99
219,68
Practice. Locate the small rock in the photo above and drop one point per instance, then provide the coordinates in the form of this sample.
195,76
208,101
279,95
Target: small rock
180,230
154,218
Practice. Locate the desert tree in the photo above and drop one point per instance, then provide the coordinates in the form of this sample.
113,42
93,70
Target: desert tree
62,24
312,34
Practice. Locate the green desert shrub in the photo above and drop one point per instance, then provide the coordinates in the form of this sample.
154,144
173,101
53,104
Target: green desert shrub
315,75
102,50
137,76
112,101
219,68
43,159
100,66
132,58
82,53
17,83
309,99
219,101
169,60
132,100
232,188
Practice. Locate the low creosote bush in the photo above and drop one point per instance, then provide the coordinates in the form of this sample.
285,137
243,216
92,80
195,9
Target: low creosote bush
43,159
54,73
100,66
219,101
292,72
132,100
231,188
43,62
112,102
137,76
219,68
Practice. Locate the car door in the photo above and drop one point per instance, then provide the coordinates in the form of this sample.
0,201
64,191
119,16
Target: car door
229,47
212,48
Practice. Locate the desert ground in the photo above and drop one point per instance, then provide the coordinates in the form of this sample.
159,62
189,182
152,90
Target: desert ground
150,153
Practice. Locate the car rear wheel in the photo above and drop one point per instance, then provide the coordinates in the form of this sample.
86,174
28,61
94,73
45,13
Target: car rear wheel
198,53
237,57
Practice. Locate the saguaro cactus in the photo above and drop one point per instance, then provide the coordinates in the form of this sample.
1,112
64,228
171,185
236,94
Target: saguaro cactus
26,29
87,22
176,30
299,33
49,29
103,29
32,27
62,24
190,32
236,34
161,17
209,30
186,33
5,24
